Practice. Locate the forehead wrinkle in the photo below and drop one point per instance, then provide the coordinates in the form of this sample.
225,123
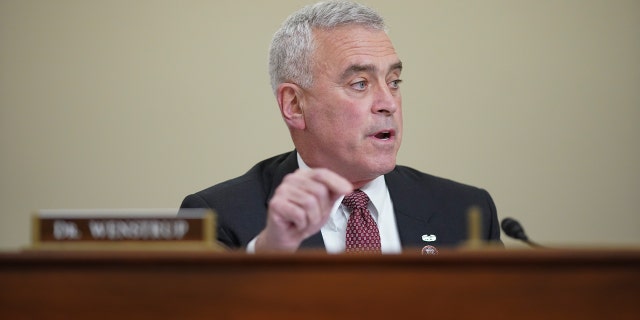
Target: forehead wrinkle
353,48
369,47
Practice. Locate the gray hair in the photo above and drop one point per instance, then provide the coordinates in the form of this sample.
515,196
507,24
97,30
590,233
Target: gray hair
292,46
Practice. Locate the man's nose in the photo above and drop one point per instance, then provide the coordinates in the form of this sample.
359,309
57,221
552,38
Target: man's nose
386,101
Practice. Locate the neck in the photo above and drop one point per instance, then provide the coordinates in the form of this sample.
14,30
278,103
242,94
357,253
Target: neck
356,184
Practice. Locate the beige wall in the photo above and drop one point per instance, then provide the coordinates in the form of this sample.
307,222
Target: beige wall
134,104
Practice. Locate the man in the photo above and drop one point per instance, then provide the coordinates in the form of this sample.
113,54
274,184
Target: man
336,77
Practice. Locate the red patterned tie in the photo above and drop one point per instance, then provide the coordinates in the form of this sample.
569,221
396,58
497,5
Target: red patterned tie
362,231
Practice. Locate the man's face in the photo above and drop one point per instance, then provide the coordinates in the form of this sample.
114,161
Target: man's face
353,111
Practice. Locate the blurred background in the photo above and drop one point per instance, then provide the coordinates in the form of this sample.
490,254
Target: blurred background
135,104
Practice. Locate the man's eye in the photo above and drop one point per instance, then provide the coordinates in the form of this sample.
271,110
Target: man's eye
395,84
360,85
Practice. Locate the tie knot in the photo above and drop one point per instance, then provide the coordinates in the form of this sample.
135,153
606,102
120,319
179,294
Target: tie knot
356,199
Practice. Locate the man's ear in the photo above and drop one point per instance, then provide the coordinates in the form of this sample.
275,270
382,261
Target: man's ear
289,97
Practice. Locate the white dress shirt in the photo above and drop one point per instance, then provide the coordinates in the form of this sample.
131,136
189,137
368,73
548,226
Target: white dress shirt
381,208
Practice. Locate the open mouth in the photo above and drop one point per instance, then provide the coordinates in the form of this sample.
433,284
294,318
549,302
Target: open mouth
384,135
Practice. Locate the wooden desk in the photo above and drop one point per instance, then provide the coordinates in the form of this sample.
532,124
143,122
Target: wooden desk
554,284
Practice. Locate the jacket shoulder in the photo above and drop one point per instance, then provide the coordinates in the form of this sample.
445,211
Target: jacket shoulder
241,203
255,182
431,182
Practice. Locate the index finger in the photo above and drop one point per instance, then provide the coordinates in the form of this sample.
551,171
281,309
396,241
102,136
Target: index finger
337,184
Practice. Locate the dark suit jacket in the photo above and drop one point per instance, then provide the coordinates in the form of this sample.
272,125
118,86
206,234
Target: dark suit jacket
423,205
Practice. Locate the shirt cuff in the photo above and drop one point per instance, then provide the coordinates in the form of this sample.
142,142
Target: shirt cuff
251,247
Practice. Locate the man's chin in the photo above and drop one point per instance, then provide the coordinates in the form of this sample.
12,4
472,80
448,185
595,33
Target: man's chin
383,164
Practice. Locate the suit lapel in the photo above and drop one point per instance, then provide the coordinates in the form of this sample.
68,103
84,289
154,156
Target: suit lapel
413,208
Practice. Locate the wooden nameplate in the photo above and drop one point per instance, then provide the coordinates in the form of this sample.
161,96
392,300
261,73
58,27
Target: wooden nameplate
121,229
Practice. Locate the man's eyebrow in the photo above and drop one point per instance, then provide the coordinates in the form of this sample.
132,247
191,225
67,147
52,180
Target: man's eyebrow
396,66
357,68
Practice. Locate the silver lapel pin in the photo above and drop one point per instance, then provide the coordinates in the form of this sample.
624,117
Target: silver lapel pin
429,237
